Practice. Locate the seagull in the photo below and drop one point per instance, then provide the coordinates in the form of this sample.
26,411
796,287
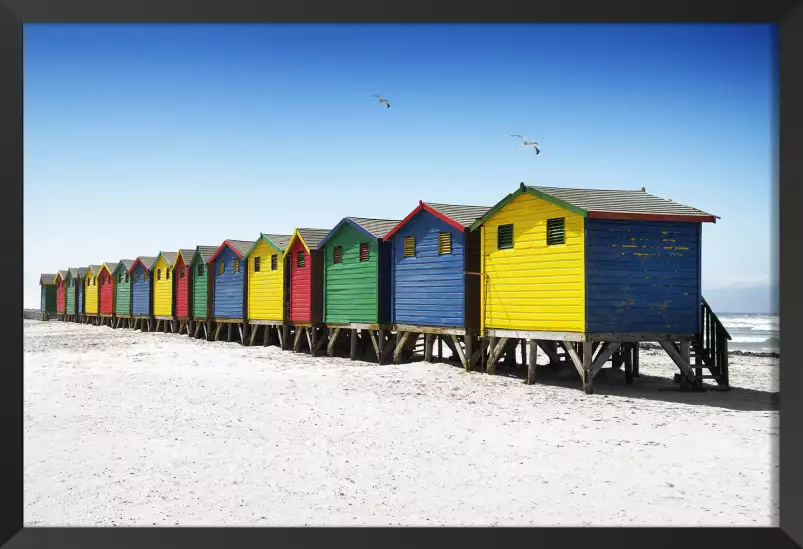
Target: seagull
382,100
528,143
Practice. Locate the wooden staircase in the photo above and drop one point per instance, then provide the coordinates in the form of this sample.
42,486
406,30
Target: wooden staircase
709,349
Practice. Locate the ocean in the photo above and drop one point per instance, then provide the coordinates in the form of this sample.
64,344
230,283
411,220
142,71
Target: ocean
752,332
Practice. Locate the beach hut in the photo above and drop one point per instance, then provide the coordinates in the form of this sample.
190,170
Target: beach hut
47,283
596,270
356,292
91,298
304,299
142,292
61,295
122,293
182,287
106,293
163,311
202,291
71,294
80,282
435,286
229,301
264,262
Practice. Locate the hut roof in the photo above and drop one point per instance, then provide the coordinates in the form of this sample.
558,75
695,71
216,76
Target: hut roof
110,265
63,274
609,204
239,247
47,278
278,241
206,252
311,238
82,272
146,260
169,257
188,254
375,228
96,269
459,217
73,272
124,263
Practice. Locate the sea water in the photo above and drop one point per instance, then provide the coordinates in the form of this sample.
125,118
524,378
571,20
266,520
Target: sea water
752,332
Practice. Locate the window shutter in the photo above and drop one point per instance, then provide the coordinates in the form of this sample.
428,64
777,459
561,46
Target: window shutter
167,273
300,259
181,273
236,265
274,262
337,255
256,264
409,246
555,231
363,251
158,274
444,243
221,267
200,269
504,237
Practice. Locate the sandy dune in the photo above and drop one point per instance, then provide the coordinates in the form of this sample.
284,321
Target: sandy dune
129,428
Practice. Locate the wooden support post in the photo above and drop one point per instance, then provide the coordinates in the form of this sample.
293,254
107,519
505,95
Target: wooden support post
510,354
428,344
628,363
254,332
635,359
285,339
297,339
487,366
588,377
685,354
229,332
245,334
310,338
678,357
330,348
266,336
375,344
523,351
390,347
698,367
397,353
380,346
440,348
353,344
218,328
532,362
241,329
469,343
460,355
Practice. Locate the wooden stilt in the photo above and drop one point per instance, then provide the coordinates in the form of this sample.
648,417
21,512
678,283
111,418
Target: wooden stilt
380,346
459,352
440,348
297,339
428,344
400,346
375,344
532,362
285,336
242,330
254,332
229,330
218,329
469,343
588,377
330,348
629,363
635,359
353,344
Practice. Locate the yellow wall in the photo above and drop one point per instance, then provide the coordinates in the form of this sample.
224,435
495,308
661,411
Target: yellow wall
91,295
265,288
533,286
162,289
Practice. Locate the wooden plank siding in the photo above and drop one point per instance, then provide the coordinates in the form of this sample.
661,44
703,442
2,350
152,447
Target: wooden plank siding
532,286
71,291
141,289
266,287
47,301
80,284
642,276
162,287
60,293
228,300
91,288
200,287
428,289
181,279
106,291
122,290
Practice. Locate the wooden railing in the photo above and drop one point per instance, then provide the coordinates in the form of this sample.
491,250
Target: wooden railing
712,345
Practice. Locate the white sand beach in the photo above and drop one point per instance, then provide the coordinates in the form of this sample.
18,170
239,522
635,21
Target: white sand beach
131,428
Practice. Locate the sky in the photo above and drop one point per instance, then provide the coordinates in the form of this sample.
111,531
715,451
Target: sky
147,137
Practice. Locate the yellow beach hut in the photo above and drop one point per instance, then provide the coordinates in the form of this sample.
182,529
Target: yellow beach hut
91,296
266,287
163,310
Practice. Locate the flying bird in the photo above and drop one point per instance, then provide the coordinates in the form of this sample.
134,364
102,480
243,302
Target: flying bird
383,100
528,143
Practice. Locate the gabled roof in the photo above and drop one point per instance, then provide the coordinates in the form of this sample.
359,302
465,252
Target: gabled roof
169,258
82,272
96,269
47,279
239,247
608,204
459,217
310,238
145,260
110,265
125,264
62,274
72,272
206,253
277,241
372,228
187,254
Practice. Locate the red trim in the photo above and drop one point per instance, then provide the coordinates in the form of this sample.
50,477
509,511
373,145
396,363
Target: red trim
220,249
654,217
428,209
134,264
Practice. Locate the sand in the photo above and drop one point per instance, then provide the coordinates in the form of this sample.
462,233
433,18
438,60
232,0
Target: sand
131,428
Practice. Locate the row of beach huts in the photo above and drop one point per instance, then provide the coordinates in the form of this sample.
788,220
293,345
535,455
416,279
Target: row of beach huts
580,275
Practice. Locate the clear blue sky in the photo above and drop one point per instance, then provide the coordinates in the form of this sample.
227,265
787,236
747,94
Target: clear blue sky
140,138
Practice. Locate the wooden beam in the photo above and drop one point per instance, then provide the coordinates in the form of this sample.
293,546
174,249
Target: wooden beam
578,363
479,353
607,350
381,346
674,354
353,344
374,343
297,340
266,336
460,353
400,346
629,363
254,332
330,348
217,332
280,335
285,339
636,360
308,335
588,377
549,351
390,347
495,353
532,362
448,341
468,340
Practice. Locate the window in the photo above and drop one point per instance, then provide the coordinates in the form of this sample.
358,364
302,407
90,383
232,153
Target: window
158,274
181,273
409,246
555,231
167,273
236,265
126,277
256,264
136,277
504,237
221,267
337,255
145,275
274,262
444,243
300,259
200,269
363,251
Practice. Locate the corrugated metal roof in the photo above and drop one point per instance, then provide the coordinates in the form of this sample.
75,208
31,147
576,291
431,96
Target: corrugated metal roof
96,269
63,274
614,201
146,260
312,237
46,278
206,252
465,215
281,240
82,272
377,227
170,258
242,246
187,254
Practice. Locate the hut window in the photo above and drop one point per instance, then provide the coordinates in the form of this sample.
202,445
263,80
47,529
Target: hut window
337,255
504,237
181,273
167,273
236,265
145,275
256,264
126,277
221,267
444,243
409,246
300,259
555,231
158,274
363,251
200,269
274,262
136,277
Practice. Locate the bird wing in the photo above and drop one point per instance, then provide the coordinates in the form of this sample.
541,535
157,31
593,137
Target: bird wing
520,136
537,150
388,102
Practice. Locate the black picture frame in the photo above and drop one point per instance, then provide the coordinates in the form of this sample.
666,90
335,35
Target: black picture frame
788,14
